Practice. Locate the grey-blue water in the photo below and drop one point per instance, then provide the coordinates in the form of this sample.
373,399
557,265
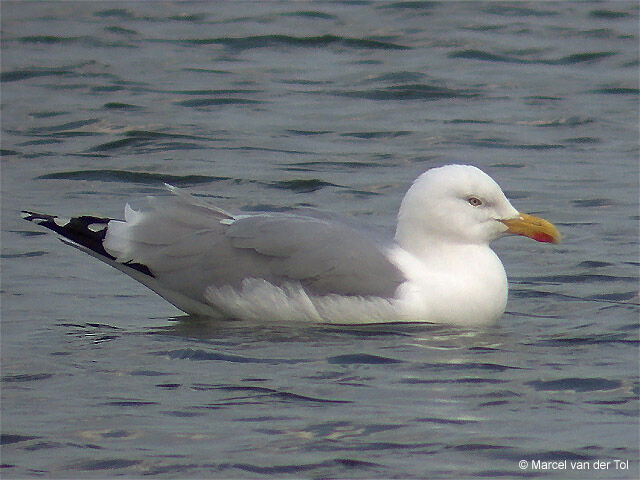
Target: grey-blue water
339,106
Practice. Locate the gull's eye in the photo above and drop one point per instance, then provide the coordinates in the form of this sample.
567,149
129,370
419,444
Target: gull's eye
474,201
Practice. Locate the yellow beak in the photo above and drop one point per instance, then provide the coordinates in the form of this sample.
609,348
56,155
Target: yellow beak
533,227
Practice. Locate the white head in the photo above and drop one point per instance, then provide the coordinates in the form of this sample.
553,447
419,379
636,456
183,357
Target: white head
460,204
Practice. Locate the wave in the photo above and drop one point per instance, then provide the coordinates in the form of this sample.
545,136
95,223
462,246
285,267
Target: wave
127,176
575,384
472,54
276,40
411,92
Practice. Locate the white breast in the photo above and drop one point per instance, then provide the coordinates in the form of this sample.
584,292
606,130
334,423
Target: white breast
459,284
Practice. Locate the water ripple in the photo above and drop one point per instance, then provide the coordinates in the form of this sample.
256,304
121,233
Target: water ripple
142,139
103,464
208,102
609,14
487,367
574,278
592,339
205,355
262,41
361,359
257,392
26,73
410,92
8,438
574,384
126,176
485,56
26,377
84,41
301,185
296,469
617,90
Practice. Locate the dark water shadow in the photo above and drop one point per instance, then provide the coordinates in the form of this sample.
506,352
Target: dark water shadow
209,329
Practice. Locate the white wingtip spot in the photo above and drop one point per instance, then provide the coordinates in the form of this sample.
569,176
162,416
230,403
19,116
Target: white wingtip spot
60,221
132,216
171,188
97,227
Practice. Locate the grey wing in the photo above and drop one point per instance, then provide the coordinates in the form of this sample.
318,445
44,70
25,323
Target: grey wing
189,246
325,257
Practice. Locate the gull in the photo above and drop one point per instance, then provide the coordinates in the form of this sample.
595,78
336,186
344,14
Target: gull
307,266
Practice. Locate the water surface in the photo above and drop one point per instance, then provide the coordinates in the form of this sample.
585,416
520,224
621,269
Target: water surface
339,106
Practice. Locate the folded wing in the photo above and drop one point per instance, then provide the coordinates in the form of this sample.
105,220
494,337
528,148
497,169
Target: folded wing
188,246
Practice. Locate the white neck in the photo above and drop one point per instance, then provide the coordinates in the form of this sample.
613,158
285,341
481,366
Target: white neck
411,237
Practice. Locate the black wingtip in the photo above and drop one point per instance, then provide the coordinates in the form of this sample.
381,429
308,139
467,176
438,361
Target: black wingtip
87,231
